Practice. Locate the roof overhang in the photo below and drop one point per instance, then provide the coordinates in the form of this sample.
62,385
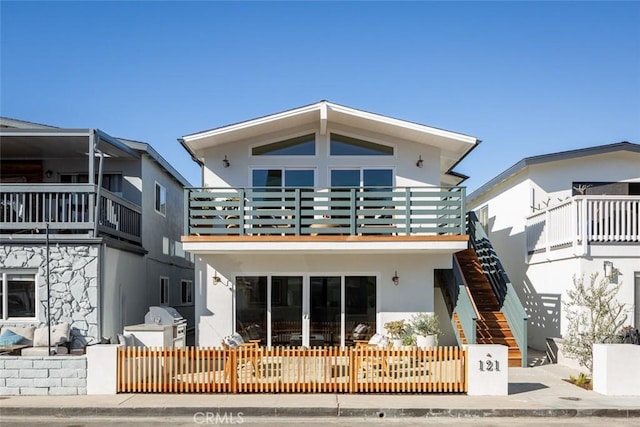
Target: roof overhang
454,146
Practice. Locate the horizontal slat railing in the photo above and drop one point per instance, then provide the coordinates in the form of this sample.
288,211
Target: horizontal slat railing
325,211
291,370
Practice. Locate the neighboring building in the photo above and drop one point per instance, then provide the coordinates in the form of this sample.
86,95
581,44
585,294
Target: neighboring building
321,218
563,214
114,210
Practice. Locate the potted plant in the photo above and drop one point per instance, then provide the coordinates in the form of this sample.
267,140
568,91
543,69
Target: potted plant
427,328
397,330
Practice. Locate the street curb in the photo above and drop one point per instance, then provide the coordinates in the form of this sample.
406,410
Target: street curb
316,412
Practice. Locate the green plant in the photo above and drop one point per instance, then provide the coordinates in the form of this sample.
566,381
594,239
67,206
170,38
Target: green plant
397,329
425,324
593,313
409,340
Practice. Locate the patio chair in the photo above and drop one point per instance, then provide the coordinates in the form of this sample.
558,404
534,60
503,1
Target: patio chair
234,342
372,362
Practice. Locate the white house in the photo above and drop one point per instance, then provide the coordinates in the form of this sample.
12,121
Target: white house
114,213
314,220
554,216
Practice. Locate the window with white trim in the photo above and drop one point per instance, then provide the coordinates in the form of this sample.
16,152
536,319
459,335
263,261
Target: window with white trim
186,292
164,290
18,295
161,200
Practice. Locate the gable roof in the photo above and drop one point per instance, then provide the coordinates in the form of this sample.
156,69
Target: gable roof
553,157
454,146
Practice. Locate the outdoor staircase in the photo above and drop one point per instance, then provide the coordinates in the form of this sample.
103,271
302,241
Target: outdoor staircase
491,325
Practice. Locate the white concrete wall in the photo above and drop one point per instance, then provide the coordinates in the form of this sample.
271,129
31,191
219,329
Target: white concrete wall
403,162
615,369
102,369
214,303
487,370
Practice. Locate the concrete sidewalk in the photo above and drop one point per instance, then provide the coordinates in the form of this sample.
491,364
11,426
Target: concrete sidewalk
533,392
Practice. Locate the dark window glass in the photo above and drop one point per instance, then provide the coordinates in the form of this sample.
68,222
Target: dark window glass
286,310
300,146
21,289
360,307
251,307
346,146
324,322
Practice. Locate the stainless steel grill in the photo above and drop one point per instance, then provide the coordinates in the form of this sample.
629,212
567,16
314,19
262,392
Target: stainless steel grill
168,316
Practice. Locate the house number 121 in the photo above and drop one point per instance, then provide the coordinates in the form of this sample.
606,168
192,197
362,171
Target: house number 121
489,365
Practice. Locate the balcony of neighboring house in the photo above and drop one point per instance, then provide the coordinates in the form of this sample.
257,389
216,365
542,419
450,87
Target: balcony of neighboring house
55,178
419,217
585,225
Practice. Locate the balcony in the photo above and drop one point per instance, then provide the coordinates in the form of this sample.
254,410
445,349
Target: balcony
68,209
582,221
317,212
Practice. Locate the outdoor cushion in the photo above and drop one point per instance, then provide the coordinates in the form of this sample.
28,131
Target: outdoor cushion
384,342
59,335
126,340
360,331
25,331
44,351
375,339
233,341
10,338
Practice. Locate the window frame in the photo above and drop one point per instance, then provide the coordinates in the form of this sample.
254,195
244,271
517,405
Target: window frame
285,138
163,189
164,291
5,301
377,141
189,283
284,169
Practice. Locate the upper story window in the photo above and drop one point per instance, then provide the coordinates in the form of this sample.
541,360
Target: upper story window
164,290
186,292
283,177
347,146
17,295
300,146
161,200
110,181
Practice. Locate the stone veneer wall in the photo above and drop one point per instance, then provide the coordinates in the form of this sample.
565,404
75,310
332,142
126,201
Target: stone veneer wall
30,375
74,284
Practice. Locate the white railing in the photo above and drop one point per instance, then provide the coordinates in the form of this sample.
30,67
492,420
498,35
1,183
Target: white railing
582,220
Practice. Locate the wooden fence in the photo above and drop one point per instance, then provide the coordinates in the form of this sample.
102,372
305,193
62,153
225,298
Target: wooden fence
291,370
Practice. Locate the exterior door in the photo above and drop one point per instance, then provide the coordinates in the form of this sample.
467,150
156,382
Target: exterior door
325,311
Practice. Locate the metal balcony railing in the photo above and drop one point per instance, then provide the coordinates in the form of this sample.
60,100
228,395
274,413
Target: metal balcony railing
324,211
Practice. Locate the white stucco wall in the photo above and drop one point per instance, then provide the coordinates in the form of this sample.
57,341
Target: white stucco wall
415,293
541,283
403,162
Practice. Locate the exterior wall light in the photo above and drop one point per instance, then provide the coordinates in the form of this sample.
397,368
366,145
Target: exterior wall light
608,269
420,162
395,279
225,162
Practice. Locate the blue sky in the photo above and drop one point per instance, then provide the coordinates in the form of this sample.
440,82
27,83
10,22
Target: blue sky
525,78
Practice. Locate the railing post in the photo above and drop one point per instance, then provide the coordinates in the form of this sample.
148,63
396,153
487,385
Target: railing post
297,217
463,209
584,233
186,211
241,212
547,246
407,211
352,212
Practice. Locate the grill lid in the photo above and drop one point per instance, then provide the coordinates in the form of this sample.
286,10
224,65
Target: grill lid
163,316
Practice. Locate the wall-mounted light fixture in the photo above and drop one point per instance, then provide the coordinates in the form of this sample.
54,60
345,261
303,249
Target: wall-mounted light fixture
395,279
608,269
48,173
420,162
225,162
216,279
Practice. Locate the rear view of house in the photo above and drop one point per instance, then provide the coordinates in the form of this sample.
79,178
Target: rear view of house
317,224
111,212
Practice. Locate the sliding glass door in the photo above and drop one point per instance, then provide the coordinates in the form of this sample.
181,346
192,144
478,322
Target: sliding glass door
314,310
